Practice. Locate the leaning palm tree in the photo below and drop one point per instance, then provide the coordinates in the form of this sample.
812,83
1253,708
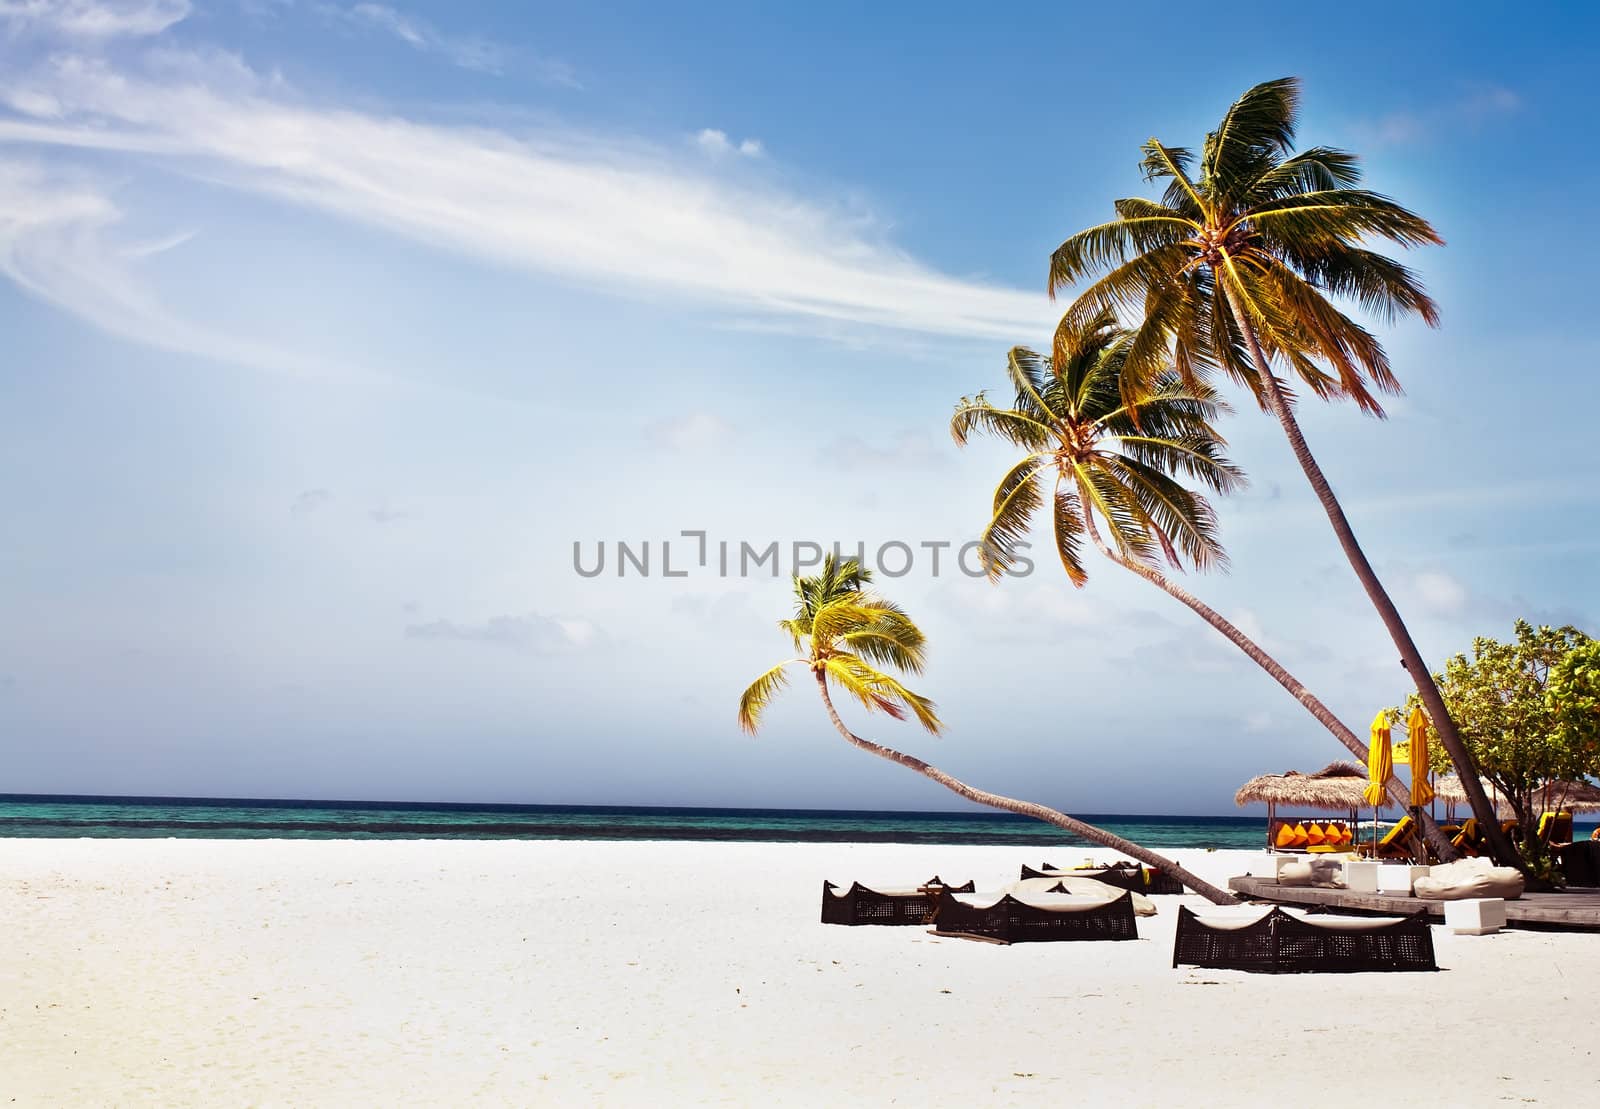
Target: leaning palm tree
1234,269
1102,470
845,636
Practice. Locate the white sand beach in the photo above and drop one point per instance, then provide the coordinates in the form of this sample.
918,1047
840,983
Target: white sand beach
220,973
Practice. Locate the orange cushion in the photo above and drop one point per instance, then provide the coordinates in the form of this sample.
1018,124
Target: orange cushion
1285,836
1301,836
1314,835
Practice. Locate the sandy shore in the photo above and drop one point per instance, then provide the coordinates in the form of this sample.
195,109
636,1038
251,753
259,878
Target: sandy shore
195,972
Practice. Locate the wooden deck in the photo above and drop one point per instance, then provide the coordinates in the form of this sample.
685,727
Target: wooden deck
1573,909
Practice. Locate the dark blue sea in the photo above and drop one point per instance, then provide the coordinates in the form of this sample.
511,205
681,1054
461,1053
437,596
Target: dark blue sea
130,817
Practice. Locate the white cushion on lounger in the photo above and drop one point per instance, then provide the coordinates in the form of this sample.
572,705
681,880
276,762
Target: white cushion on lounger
1230,917
1048,902
1083,887
843,891
1349,923
1469,878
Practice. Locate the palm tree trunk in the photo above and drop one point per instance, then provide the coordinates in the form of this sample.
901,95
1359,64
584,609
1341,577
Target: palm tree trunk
1025,808
1436,838
1410,657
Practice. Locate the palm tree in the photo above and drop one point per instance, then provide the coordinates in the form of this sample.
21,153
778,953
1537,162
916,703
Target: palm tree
1233,270
1105,470
843,635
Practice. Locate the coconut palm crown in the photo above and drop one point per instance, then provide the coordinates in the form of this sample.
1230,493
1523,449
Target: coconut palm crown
844,635
1253,234
1102,459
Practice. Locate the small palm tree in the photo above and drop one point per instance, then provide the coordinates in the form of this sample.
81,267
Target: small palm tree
843,635
1234,269
1104,471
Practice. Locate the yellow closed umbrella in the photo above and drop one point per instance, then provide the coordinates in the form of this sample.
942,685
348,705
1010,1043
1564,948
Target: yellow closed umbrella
1380,761
1417,740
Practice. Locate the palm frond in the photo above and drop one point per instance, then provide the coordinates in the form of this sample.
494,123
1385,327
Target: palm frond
754,700
1256,129
1068,528
879,692
1115,242
1172,164
797,630
1316,169
1197,455
1179,517
976,414
890,638
1342,215
1016,499
1121,513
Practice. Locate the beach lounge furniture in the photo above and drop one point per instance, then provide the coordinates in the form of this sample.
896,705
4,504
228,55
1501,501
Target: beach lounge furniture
1123,875
1580,862
1396,843
1312,872
1309,834
1555,827
1469,839
862,905
1034,917
1082,887
1278,941
1469,878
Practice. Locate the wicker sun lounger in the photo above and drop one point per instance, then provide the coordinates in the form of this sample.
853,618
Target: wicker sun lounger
861,905
1032,917
1278,942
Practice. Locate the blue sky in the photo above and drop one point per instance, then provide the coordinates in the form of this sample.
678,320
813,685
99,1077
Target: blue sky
331,327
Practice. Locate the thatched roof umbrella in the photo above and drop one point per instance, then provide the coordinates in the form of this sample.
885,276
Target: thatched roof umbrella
1337,787
1448,789
1571,797
1555,796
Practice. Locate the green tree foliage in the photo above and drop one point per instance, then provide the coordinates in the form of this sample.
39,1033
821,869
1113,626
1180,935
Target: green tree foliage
1528,712
1573,692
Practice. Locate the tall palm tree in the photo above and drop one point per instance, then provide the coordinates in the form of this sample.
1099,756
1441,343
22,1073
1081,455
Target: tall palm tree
843,635
1235,268
1070,415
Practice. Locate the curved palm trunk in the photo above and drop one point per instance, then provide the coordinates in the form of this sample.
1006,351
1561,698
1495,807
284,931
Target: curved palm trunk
1410,657
1436,839
1025,808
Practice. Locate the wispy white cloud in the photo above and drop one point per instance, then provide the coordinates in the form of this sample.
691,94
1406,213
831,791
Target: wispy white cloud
620,215
717,144
1472,108
93,18
467,51
57,242
692,432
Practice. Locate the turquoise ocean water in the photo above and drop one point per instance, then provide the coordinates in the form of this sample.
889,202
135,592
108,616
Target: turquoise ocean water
34,816
150,817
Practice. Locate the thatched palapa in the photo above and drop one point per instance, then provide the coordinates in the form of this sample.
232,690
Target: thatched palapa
1337,787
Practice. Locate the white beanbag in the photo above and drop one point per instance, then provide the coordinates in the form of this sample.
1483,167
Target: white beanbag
1469,878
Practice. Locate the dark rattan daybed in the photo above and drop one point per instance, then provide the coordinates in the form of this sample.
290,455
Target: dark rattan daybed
1006,919
1281,943
1127,876
860,905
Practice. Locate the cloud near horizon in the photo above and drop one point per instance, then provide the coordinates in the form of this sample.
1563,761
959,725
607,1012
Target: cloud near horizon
530,634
